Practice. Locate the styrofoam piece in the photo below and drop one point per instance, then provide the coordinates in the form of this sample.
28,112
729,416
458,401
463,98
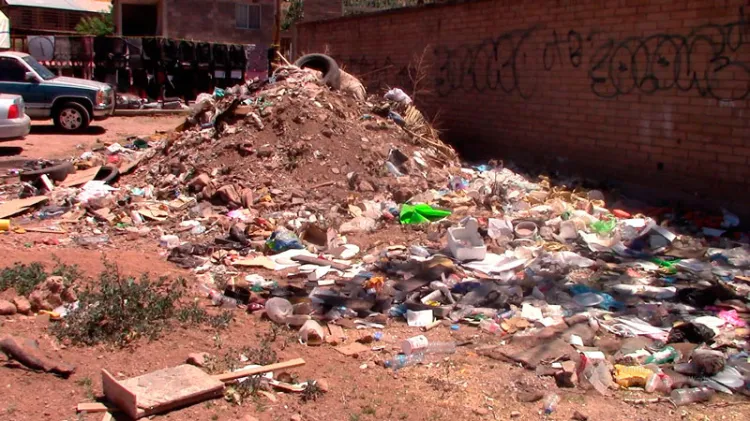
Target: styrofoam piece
469,233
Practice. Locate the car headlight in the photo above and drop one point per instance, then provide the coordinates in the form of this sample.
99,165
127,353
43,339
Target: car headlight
101,97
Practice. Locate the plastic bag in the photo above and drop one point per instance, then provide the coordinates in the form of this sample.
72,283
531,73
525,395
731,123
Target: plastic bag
398,95
282,240
421,213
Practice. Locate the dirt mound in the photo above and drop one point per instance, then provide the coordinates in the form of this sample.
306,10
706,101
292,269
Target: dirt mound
294,142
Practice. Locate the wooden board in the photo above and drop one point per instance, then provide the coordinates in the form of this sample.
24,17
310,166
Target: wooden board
80,177
13,207
91,407
234,375
161,390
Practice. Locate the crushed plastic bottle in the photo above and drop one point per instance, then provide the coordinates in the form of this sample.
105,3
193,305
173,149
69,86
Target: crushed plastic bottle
219,299
550,403
92,240
682,397
400,361
490,326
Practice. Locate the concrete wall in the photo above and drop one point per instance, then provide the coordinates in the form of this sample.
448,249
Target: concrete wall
652,92
215,21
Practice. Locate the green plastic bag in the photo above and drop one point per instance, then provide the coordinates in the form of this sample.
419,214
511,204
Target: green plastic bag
604,227
421,213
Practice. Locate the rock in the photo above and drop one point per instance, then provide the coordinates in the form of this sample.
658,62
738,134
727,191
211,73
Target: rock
323,385
246,196
366,186
198,183
565,379
577,416
248,418
7,308
481,411
265,151
296,417
515,414
228,194
197,359
402,194
327,133
358,224
529,396
22,304
50,294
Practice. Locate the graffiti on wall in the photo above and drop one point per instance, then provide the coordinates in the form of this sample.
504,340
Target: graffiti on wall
706,61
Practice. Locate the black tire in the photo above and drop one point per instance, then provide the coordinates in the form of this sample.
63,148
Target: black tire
324,63
71,117
56,172
108,174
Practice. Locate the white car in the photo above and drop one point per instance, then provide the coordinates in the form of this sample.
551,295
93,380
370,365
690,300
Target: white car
14,123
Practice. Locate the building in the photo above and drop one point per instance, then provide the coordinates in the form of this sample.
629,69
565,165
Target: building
49,17
221,21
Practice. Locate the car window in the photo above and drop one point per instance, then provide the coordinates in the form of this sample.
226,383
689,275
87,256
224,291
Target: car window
11,70
42,71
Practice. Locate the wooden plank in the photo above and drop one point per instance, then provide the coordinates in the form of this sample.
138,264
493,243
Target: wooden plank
80,177
13,207
320,262
228,377
46,230
91,407
119,395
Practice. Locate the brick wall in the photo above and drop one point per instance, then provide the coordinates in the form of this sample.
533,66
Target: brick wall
322,9
215,21
649,92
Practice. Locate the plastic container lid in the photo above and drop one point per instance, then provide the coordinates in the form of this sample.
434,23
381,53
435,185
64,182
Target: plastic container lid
588,299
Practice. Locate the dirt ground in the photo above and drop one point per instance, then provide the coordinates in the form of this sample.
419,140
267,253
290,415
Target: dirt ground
463,386
45,141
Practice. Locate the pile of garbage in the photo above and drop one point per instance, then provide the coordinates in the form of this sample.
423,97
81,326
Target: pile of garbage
287,197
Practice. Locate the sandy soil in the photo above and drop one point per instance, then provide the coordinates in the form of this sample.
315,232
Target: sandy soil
45,141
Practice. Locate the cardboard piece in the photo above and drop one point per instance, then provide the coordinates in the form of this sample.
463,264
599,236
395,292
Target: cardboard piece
80,177
259,261
352,349
13,207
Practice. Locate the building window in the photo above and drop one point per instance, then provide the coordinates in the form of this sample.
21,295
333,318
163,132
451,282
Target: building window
248,16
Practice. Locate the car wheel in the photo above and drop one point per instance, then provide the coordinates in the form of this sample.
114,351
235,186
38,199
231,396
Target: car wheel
72,117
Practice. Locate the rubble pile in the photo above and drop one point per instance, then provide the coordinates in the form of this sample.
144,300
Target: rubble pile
292,199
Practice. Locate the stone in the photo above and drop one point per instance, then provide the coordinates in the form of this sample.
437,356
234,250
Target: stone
481,411
248,418
246,196
402,194
515,414
228,194
22,304
200,182
577,416
528,397
296,417
7,308
323,385
565,380
366,186
265,151
51,294
327,133
197,359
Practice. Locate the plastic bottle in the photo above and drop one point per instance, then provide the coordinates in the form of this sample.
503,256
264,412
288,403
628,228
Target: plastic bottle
218,298
659,382
682,397
420,344
400,361
490,326
663,356
550,403
441,348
